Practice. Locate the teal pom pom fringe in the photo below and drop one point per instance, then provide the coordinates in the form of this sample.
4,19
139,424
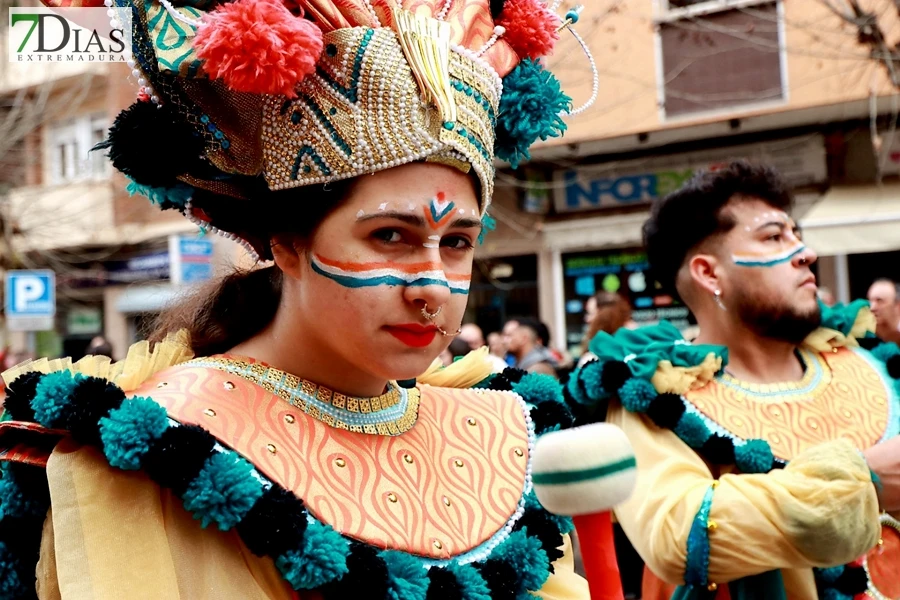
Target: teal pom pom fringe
323,558
575,390
637,394
833,594
830,575
407,580
224,491
472,584
591,374
692,430
536,388
755,456
11,585
52,395
885,351
488,224
128,430
13,502
527,558
529,110
163,197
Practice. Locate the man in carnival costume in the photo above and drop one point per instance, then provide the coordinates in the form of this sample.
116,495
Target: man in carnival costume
273,442
767,450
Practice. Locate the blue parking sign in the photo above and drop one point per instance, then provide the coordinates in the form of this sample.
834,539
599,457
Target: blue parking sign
30,294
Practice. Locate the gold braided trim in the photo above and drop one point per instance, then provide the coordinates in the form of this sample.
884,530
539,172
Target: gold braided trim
309,396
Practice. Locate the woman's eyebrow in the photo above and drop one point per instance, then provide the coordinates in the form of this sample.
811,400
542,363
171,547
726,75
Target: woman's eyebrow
406,217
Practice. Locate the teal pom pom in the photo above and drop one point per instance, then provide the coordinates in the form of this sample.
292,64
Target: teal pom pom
11,585
830,575
535,388
692,430
407,579
470,580
323,558
575,389
885,351
51,397
591,375
128,430
173,197
224,491
488,224
754,457
527,558
565,524
529,110
637,394
13,502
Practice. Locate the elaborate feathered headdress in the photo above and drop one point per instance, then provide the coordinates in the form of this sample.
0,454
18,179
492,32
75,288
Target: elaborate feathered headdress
245,97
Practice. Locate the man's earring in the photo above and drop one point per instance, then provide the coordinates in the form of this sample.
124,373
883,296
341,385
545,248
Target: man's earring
718,297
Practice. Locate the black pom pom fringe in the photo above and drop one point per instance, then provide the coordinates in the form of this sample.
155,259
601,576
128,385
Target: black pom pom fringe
275,524
500,577
369,577
442,585
893,366
665,410
718,450
550,414
852,581
175,459
19,395
92,399
497,8
615,374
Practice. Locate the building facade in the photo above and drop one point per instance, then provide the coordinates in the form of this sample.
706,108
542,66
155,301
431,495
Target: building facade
686,85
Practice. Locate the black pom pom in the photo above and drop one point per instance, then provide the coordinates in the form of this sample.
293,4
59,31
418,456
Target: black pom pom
147,130
22,536
538,524
92,399
869,343
549,414
367,576
665,410
177,456
514,375
442,585
852,581
19,395
615,374
32,481
499,383
719,450
893,366
497,8
275,524
407,384
501,579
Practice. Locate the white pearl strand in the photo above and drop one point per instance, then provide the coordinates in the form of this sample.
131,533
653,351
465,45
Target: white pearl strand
188,212
499,30
446,9
595,77
146,88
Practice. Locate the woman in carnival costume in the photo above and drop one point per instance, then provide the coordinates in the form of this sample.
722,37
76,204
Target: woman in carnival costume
273,442
768,451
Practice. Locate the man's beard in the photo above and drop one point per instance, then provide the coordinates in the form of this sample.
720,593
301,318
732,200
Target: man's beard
778,322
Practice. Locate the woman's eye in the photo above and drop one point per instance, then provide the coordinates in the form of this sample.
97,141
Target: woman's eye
775,238
389,236
456,242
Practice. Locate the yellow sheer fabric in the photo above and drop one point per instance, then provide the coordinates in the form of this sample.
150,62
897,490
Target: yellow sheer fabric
113,535
822,510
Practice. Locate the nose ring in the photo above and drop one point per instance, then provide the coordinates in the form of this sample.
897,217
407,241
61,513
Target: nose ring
429,315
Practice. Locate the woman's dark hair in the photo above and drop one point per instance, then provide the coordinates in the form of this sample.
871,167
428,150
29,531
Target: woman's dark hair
234,308
692,214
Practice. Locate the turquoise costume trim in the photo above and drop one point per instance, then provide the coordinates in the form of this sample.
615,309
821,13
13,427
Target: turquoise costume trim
893,393
696,572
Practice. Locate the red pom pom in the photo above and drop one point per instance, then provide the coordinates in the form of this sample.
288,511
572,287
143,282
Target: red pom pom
258,46
530,27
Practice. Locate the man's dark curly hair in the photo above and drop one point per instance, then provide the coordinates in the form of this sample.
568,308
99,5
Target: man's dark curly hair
685,218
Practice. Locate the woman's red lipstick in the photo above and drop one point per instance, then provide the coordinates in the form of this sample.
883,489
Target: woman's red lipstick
413,334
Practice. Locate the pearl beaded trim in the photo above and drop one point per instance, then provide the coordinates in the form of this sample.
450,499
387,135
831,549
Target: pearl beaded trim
188,213
595,77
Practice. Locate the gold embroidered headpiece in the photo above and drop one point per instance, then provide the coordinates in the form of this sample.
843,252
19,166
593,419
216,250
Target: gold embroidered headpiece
248,97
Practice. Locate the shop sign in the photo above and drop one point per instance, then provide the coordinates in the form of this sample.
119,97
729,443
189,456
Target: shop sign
147,267
191,259
618,272
84,321
801,161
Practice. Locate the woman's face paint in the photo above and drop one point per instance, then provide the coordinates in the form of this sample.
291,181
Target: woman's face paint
396,243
